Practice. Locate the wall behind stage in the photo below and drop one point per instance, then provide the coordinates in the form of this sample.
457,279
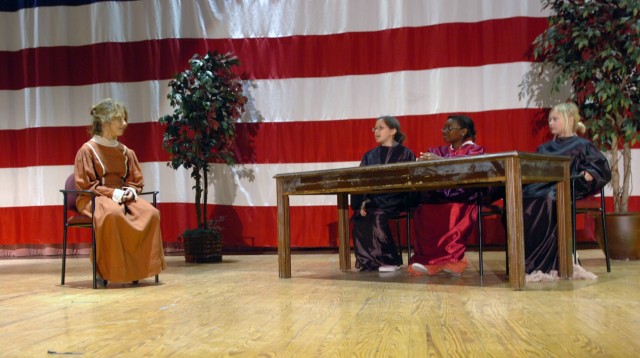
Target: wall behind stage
320,72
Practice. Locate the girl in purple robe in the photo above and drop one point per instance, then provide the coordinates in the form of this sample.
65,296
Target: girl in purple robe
540,220
372,240
446,218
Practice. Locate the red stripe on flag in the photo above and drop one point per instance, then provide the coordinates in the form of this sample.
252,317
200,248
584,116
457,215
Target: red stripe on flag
407,48
58,145
243,227
285,142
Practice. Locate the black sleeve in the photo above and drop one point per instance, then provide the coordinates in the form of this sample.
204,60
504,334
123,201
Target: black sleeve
592,161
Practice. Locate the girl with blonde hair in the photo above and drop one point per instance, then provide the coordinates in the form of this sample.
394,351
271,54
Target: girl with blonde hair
540,220
128,237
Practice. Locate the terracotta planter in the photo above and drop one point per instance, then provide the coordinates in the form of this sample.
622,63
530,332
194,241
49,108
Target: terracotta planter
202,246
623,230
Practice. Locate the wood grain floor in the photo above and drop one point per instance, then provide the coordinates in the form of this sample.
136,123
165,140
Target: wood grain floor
240,308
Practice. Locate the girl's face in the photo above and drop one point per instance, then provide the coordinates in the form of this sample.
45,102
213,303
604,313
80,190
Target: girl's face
115,128
383,134
452,133
557,124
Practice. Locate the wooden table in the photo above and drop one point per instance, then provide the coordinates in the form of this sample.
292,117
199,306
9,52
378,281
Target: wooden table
509,169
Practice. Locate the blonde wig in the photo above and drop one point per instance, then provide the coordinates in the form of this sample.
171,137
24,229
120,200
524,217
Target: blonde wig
103,112
571,114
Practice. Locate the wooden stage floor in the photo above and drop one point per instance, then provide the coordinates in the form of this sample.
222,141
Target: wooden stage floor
241,308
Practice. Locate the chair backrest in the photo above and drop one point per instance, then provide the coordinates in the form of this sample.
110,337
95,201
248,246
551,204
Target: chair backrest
590,203
70,184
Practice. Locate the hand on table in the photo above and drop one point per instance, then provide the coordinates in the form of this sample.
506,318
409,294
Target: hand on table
428,156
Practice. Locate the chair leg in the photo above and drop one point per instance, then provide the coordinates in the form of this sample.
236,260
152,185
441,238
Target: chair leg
573,239
157,279
408,236
95,258
480,260
399,238
605,238
64,253
573,224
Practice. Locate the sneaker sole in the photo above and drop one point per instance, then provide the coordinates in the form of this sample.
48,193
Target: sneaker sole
389,269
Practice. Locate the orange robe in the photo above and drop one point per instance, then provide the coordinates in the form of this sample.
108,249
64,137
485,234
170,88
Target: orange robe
128,237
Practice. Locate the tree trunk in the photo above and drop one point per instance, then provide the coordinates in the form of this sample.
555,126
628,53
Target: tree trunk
615,174
206,194
621,186
196,176
626,180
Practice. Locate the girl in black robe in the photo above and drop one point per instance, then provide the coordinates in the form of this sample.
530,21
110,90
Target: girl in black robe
540,220
372,240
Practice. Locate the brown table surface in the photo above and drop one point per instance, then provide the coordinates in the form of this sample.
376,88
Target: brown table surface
509,169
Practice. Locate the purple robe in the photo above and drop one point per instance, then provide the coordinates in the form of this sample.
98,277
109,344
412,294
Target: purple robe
446,218
372,239
539,200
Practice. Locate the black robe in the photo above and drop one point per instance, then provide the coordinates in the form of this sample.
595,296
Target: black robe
539,199
372,239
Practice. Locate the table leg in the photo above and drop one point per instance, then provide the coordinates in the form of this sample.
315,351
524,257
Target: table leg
515,225
343,232
284,240
563,205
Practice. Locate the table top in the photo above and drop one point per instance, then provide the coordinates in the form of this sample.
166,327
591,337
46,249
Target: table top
468,171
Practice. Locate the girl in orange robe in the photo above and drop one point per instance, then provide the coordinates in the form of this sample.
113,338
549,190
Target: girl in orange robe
128,237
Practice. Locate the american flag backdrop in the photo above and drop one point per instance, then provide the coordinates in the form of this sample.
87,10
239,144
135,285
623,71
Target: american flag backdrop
320,72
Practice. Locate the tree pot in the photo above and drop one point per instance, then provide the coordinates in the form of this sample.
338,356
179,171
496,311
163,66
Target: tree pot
202,246
623,231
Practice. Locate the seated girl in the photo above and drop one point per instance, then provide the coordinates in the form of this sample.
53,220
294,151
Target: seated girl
372,240
540,220
446,218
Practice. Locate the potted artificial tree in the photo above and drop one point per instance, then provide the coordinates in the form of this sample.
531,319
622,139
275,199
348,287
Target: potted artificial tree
595,46
207,99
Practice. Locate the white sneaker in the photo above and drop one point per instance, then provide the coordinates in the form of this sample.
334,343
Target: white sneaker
419,267
388,268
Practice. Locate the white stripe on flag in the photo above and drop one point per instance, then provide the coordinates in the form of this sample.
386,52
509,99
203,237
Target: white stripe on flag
454,89
242,185
111,21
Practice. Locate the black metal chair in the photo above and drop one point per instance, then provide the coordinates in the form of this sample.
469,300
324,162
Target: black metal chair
406,215
484,210
582,206
410,203
77,220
